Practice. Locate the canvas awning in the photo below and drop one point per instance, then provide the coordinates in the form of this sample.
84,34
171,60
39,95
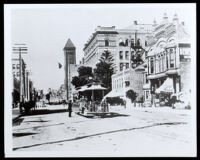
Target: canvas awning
95,87
83,88
166,87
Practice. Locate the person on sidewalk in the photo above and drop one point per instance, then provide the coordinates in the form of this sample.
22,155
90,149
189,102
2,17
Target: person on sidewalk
70,108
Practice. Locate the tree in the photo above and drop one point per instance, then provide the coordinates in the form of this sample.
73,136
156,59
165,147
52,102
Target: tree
85,71
131,95
106,57
83,76
104,69
137,58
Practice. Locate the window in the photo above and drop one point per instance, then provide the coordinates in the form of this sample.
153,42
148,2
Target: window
151,65
127,65
147,94
126,42
120,54
127,83
167,60
121,66
145,43
159,63
146,80
13,66
172,58
126,55
18,74
132,42
18,66
163,61
138,42
106,43
121,43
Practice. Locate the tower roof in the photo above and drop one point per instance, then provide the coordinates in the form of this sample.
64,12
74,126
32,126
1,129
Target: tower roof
69,45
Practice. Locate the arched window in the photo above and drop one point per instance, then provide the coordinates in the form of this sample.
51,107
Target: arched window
151,65
138,42
163,62
121,43
159,63
172,58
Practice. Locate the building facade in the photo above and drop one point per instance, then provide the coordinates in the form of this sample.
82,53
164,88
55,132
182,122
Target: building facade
103,39
168,59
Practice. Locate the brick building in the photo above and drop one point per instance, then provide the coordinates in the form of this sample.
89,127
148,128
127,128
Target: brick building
168,59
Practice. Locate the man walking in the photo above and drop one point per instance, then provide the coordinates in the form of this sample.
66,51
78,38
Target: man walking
70,108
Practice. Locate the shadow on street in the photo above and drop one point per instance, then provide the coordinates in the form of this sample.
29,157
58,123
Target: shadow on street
103,115
45,111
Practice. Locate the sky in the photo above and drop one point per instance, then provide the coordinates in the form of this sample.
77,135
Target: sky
45,30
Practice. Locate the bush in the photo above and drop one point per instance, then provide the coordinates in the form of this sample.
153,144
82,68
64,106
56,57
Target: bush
115,101
131,95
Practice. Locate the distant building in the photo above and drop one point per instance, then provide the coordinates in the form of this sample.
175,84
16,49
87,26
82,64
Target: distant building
70,67
168,59
16,76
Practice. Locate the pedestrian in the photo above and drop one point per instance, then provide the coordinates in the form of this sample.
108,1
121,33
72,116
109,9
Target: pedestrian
70,108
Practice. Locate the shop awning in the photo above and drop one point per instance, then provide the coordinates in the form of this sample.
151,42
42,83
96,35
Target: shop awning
166,87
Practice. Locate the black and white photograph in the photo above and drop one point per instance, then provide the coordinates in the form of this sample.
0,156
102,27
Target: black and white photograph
100,80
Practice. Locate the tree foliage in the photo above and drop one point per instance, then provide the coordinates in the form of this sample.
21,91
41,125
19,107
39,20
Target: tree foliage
137,58
132,95
106,57
83,76
104,69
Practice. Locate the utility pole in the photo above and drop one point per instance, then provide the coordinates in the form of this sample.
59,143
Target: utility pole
20,49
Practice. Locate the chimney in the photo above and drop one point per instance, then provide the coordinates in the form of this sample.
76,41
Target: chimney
175,19
165,18
135,22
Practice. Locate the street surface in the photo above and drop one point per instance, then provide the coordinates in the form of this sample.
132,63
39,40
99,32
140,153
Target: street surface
134,132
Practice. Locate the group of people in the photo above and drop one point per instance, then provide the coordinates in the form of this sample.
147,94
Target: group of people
93,106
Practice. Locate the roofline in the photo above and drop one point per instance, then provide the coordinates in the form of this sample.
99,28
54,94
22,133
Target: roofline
98,32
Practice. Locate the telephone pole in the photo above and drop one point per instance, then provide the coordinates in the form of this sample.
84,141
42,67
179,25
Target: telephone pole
20,49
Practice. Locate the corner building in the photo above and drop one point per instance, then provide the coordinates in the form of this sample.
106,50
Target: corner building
168,59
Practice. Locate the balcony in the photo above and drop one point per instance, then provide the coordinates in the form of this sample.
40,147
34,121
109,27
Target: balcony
172,71
155,76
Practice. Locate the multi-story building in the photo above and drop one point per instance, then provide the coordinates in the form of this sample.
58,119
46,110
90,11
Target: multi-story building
168,59
122,43
103,39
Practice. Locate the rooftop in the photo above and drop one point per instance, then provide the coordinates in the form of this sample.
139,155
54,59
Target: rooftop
69,44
